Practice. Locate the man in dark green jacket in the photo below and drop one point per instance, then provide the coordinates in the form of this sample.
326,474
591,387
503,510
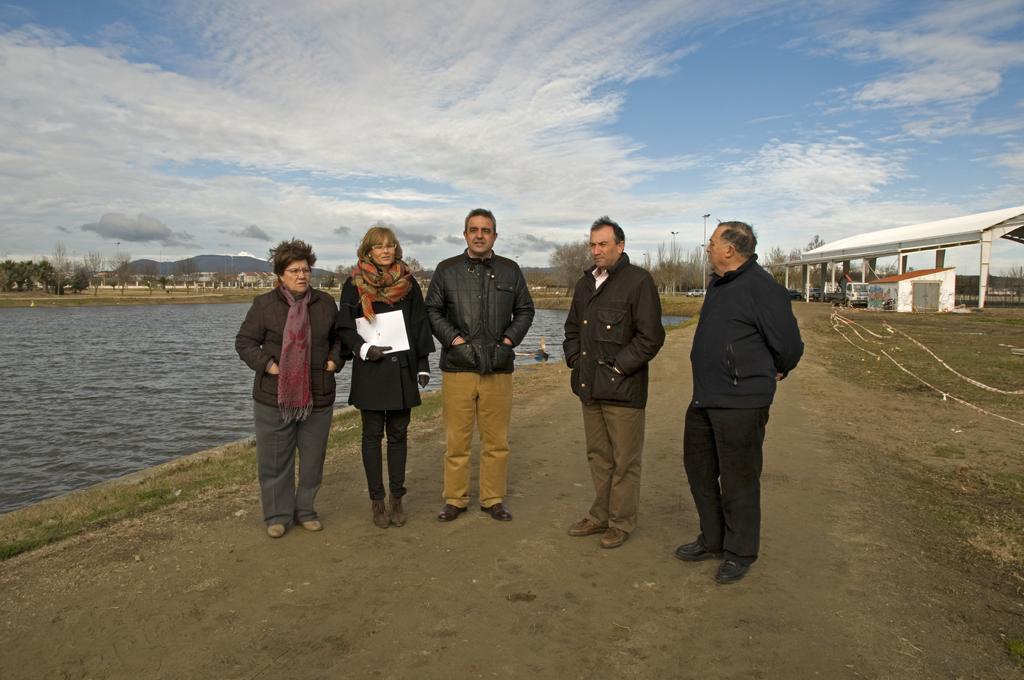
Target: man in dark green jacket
612,332
747,340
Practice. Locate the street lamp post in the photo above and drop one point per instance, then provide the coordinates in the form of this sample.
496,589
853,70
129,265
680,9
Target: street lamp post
674,261
704,245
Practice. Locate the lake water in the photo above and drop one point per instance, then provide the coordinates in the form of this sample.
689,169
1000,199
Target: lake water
95,393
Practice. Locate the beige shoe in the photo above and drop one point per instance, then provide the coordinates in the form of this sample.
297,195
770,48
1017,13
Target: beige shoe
613,538
397,512
380,514
275,530
313,525
585,528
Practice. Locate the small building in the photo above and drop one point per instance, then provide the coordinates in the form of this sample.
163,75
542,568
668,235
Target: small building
928,290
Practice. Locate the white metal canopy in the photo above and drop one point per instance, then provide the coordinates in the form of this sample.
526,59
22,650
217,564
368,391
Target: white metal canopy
968,230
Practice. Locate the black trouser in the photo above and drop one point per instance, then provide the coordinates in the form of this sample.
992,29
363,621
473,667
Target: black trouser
722,456
397,425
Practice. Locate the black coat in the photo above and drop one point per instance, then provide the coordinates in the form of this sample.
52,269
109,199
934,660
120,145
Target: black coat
619,323
389,384
745,336
483,301
259,342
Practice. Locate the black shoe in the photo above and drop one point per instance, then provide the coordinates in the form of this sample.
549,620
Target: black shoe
449,512
695,552
731,572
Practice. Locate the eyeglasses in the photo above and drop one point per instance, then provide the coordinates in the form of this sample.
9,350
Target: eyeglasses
298,272
383,246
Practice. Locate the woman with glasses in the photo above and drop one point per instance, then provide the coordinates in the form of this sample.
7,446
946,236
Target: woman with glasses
289,339
382,300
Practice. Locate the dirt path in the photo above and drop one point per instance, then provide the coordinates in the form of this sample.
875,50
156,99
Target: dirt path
852,582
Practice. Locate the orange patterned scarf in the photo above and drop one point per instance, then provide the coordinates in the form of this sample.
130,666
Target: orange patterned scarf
373,285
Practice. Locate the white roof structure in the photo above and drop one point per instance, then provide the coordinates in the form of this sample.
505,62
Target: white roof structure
980,229
957,231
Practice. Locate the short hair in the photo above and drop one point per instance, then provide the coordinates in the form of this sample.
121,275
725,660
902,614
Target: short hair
481,212
374,235
742,237
287,252
605,221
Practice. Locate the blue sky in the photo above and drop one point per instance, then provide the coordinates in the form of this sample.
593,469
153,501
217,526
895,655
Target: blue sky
174,127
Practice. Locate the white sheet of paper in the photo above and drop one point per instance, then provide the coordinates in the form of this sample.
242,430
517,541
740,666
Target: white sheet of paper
387,330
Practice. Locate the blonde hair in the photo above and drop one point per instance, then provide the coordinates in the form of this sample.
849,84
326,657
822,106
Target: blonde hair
375,235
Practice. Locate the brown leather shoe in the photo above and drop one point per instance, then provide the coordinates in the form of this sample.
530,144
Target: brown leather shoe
613,538
585,528
498,512
449,512
275,530
380,514
397,512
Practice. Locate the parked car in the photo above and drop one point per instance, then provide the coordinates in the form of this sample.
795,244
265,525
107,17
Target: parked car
695,292
794,294
815,294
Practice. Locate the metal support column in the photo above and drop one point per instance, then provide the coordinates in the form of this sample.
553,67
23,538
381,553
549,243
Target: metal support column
986,254
940,259
806,274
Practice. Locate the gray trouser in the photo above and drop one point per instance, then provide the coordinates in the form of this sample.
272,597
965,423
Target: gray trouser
275,454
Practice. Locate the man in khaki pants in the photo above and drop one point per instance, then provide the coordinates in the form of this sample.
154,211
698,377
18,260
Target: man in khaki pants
479,309
612,332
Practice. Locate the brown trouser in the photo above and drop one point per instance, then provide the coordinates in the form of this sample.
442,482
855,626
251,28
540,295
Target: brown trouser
487,400
615,446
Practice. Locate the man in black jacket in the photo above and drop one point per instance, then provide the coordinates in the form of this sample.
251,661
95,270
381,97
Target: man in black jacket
747,340
612,332
479,309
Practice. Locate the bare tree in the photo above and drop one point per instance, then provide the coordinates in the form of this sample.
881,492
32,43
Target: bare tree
93,263
568,262
771,260
1015,281
815,242
123,269
186,269
148,271
61,264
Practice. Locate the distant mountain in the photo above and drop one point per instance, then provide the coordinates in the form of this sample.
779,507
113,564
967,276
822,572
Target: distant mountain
228,264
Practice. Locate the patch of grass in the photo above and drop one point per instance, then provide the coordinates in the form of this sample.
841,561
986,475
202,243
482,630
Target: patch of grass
45,523
1015,646
949,451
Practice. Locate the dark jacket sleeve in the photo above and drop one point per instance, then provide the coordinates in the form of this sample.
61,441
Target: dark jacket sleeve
571,343
250,337
649,335
345,328
522,311
420,340
778,327
334,353
437,307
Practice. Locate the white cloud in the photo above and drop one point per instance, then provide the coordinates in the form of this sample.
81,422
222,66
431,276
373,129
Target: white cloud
945,63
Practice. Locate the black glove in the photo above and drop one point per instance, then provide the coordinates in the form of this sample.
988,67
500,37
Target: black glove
376,353
424,379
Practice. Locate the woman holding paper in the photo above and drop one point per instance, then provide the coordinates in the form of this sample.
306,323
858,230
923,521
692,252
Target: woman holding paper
383,322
